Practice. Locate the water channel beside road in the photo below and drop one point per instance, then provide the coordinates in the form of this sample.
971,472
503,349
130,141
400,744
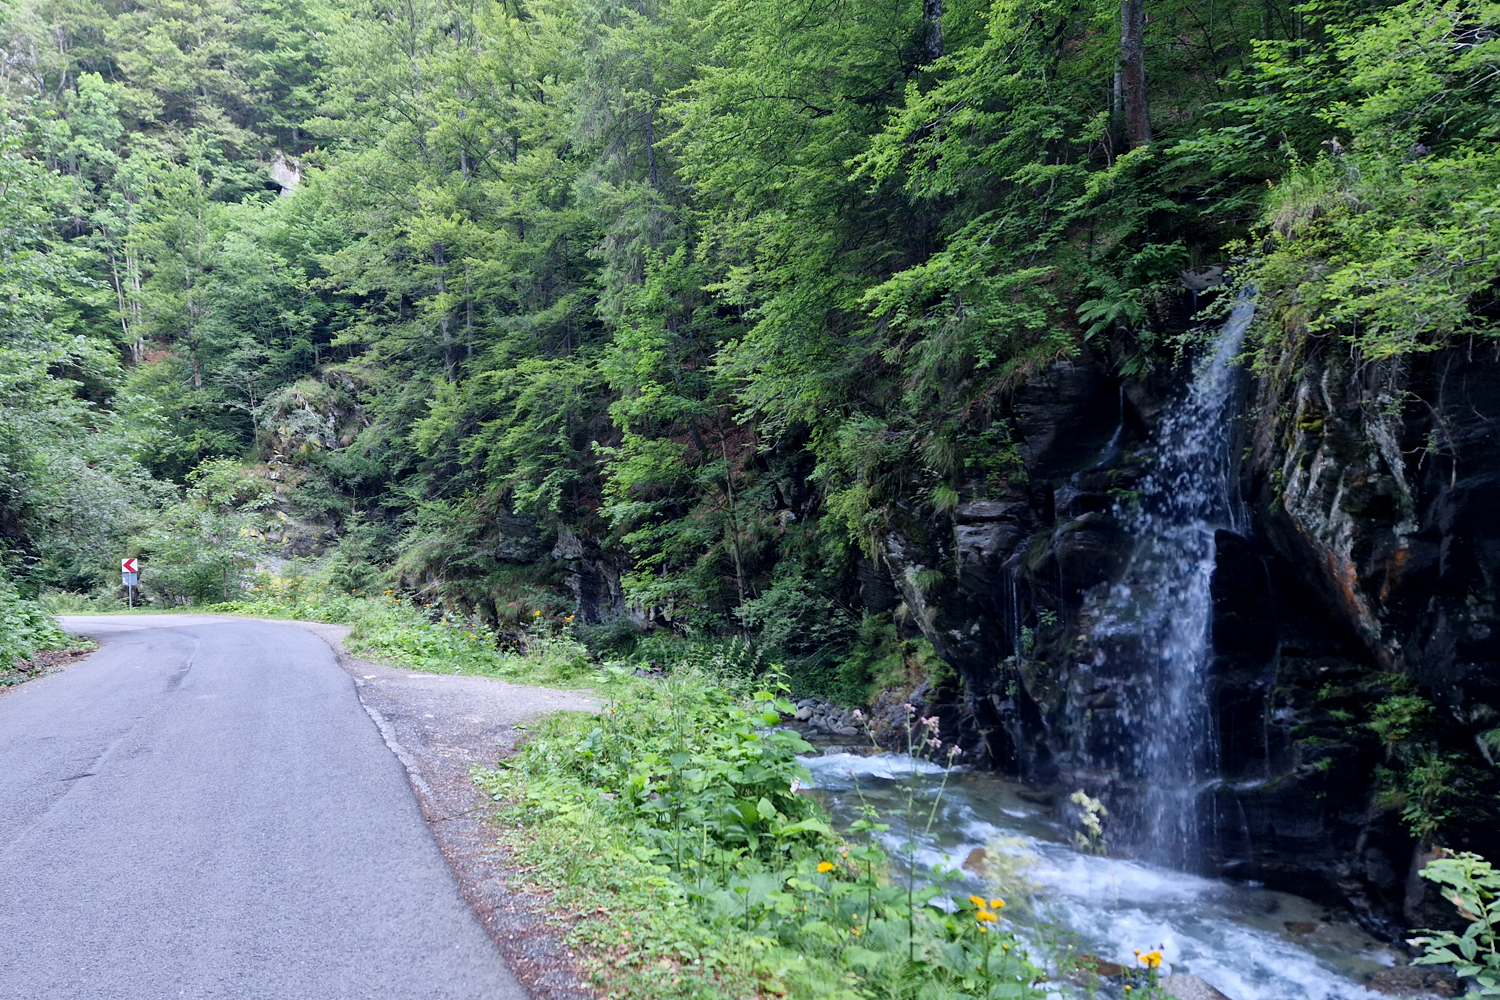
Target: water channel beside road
1248,941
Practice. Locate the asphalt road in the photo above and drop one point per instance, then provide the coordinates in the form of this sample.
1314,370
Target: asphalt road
204,809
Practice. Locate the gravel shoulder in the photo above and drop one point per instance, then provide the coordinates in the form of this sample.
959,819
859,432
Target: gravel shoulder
440,728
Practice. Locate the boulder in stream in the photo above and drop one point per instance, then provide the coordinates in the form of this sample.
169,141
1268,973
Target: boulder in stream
1186,986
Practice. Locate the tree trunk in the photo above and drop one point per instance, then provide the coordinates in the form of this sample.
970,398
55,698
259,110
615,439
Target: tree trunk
442,289
932,21
1133,72
114,273
734,521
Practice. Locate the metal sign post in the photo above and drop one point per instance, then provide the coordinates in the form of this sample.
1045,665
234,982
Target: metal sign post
129,577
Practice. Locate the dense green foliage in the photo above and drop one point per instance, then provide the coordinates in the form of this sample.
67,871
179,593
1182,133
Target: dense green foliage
24,630
722,289
670,821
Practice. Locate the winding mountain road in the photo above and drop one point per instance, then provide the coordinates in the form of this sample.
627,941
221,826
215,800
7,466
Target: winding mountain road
203,808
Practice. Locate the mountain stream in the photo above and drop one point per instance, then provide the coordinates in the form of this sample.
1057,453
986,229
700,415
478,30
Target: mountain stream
1249,942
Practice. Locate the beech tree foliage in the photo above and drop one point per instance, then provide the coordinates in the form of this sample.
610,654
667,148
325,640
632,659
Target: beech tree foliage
722,289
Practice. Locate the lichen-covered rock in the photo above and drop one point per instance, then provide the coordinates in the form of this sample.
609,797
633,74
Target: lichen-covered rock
1416,982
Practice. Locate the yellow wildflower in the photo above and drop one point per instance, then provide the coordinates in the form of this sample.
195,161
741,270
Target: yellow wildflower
825,867
977,901
995,904
1151,959
986,916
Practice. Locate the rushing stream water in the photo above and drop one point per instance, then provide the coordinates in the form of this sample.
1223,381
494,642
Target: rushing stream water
1249,942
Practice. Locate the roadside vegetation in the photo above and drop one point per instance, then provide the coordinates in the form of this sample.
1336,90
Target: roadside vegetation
1472,885
28,633
670,829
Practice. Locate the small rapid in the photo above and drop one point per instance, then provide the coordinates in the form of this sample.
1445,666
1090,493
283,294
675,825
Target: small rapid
1247,941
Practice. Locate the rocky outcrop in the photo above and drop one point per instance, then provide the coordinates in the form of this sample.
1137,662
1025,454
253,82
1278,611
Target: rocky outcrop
1367,568
1380,483
592,577
1369,482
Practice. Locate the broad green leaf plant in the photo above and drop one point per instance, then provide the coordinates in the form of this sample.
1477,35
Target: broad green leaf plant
1472,885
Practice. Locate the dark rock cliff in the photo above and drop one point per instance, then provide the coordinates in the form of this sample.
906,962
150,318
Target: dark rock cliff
1365,571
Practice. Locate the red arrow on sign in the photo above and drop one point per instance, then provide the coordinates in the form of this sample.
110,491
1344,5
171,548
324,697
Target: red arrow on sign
127,566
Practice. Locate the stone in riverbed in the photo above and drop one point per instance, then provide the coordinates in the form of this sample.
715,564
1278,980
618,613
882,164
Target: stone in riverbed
1101,966
1416,981
1185,986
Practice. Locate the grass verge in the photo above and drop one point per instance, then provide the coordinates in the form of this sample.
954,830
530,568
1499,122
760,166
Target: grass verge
419,637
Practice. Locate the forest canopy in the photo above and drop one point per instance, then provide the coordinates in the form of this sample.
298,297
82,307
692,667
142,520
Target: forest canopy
715,292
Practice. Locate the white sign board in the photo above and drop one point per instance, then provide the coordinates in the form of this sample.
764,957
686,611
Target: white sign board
129,566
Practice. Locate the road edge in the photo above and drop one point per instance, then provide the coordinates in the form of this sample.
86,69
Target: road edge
520,925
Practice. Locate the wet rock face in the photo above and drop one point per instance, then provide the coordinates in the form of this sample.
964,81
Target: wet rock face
1380,484
1066,415
1371,553
980,584
1368,487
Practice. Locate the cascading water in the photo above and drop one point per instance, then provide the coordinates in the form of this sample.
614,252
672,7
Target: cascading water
1237,937
1156,620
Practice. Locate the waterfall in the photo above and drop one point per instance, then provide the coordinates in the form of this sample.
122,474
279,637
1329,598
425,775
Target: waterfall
1157,618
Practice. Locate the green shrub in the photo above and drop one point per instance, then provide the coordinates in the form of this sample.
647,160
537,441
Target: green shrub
1472,886
202,548
671,822
25,627
616,638
65,602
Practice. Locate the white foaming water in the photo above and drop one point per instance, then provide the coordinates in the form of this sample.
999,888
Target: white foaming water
1236,937
1156,619
842,770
